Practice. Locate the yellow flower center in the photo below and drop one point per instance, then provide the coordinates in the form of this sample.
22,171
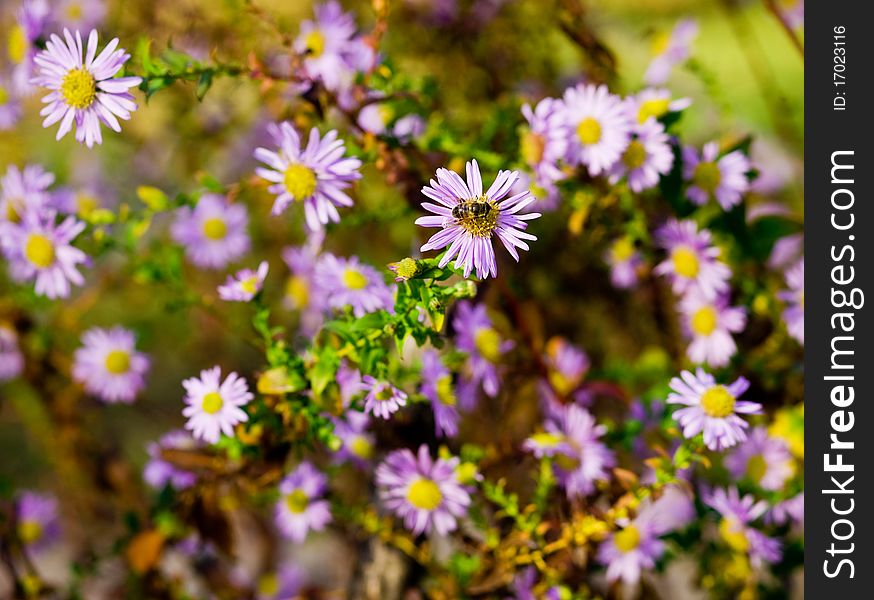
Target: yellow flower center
704,320
215,229
297,501
562,383
12,211
39,250
717,402
488,343
16,45
685,262
656,107
707,176
466,473
733,534
297,290
86,204
635,155
117,362
30,531
361,447
627,540
4,95
757,467
424,494
300,181
74,11
478,216
385,393
268,585
249,285
589,131
444,390
354,280
406,268
212,403
79,88
315,43
623,249
546,439
532,146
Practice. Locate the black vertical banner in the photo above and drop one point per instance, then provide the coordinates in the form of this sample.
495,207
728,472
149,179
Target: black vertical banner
839,264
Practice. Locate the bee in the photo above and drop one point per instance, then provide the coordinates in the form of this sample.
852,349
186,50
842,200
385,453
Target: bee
471,208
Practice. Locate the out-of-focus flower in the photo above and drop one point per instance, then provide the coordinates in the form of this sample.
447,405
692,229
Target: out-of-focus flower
243,286
787,510
11,358
23,190
40,250
468,219
422,491
544,142
737,515
85,92
654,103
599,127
382,399
567,365
284,584
624,260
79,14
793,315
711,408
647,157
792,12
764,460
358,443
692,259
159,472
21,48
710,323
109,366
301,292
475,334
10,107
214,407
670,50
408,128
301,507
314,175
349,282
350,383
711,176
37,519
213,232
788,425
437,387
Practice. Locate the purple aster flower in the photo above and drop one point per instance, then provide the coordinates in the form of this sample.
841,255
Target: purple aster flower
793,315
330,52
737,514
647,157
437,387
669,50
10,106
544,141
692,259
349,282
710,323
599,127
350,383
23,190
37,519
422,491
625,261
286,583
243,286
30,20
475,335
85,92
315,175
214,407
786,251
301,508
711,176
358,443
711,408
159,472
213,232
109,366
382,399
375,116
11,358
79,14
408,128
762,459
468,218
654,103
567,365
40,250
301,292
787,510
